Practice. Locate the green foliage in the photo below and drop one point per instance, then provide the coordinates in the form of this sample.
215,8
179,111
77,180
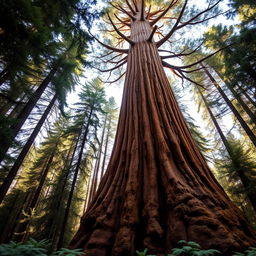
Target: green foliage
250,252
192,249
34,248
144,253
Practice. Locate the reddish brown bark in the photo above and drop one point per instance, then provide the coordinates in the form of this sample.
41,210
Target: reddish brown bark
157,188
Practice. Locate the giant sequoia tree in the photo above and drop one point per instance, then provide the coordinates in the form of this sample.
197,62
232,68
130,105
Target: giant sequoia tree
157,188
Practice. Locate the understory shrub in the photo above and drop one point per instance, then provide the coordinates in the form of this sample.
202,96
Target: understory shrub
35,248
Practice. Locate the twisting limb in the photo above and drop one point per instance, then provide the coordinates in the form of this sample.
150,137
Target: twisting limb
181,53
152,34
203,59
162,50
118,61
135,5
109,47
206,19
114,62
111,82
105,55
180,71
130,7
124,11
120,33
190,80
123,22
148,12
112,69
192,70
142,10
198,15
111,59
174,28
173,2
156,12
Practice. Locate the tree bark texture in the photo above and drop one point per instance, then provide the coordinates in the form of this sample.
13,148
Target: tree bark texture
157,188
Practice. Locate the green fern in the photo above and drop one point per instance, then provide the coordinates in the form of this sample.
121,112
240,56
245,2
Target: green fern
250,252
34,248
192,249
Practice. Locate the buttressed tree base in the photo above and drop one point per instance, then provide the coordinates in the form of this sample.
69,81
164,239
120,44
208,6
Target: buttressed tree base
157,188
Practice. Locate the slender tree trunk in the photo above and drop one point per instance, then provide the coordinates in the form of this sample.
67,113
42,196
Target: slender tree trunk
243,178
215,122
66,169
23,227
99,158
97,165
157,188
239,99
24,114
4,75
106,149
246,128
14,170
67,210
12,221
93,180
17,108
250,100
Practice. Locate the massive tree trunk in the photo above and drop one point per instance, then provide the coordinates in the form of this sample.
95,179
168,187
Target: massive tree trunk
14,170
157,188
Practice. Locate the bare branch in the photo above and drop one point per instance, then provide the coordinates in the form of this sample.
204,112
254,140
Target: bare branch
203,59
105,55
130,7
206,19
156,12
152,34
120,33
109,47
111,82
124,11
118,55
181,53
114,62
174,28
123,22
135,5
148,12
142,10
111,69
198,15
173,2
180,71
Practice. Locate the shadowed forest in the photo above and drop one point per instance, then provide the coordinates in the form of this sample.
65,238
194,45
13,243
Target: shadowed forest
127,127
